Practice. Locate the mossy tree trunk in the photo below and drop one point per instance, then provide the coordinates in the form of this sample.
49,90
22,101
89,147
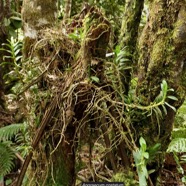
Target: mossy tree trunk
4,15
36,14
130,24
162,49
127,41
129,35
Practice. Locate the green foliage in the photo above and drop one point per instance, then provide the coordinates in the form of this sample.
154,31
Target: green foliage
127,178
161,98
128,105
153,151
8,132
12,62
6,160
180,120
77,35
115,70
13,22
94,79
13,50
134,110
159,105
177,145
11,132
122,58
144,15
140,157
179,132
114,74
161,102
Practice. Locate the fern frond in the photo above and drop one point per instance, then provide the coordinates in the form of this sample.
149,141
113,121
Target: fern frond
177,145
6,159
7,132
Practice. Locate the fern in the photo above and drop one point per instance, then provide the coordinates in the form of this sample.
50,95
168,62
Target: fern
7,155
14,50
6,160
8,132
177,145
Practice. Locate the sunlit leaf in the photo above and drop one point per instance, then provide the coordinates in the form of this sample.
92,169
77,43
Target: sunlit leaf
173,98
173,108
94,78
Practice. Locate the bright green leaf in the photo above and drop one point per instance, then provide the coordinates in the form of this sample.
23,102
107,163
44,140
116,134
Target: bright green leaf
173,108
95,79
173,98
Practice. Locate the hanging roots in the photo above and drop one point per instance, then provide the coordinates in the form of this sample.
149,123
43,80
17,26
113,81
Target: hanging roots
82,113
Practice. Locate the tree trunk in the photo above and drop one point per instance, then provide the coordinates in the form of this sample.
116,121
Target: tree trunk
162,49
36,15
67,11
128,40
129,35
4,14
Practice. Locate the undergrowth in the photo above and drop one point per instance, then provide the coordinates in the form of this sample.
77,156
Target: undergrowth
59,88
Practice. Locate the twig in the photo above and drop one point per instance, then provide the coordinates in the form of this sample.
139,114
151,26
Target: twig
32,83
19,157
46,119
150,181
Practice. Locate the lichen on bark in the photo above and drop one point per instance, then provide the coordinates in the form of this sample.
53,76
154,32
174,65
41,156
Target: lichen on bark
36,15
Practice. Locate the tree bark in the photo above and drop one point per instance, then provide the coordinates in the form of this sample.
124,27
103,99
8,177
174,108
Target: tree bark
4,14
162,49
129,35
67,11
36,15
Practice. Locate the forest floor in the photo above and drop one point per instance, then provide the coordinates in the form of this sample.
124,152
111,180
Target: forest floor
170,175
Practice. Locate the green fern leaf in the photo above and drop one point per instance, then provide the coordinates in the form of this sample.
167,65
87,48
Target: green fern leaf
7,132
177,145
6,159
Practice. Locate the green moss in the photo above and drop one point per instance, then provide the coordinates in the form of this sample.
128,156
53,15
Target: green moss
179,34
158,54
